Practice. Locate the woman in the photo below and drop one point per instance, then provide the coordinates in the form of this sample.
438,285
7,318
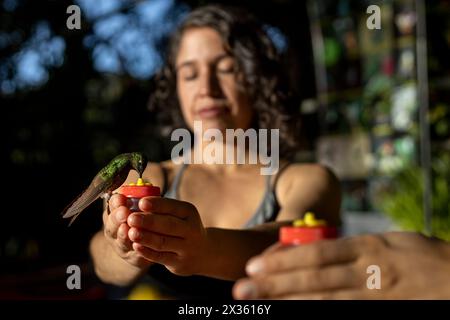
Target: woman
222,70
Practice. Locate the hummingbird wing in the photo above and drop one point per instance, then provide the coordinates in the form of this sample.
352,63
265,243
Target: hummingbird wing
85,199
107,180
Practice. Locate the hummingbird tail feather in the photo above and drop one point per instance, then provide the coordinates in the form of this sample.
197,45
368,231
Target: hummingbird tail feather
80,203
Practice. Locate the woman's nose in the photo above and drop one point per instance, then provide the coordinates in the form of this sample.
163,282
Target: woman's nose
209,85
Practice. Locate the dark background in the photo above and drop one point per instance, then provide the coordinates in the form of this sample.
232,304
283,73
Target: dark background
73,99
59,131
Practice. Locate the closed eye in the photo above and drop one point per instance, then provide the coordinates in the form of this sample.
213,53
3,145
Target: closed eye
189,77
187,71
226,65
226,70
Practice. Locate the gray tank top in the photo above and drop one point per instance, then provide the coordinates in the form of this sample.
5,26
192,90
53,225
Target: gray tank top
201,287
267,210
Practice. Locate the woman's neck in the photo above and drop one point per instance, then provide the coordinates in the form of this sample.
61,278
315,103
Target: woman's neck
225,157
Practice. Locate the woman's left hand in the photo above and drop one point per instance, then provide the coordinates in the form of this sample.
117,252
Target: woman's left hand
408,266
169,232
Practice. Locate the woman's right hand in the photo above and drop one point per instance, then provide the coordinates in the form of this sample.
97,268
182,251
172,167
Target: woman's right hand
115,229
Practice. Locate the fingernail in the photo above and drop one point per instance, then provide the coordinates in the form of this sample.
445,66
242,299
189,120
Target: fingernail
246,290
255,266
121,215
145,205
121,233
134,235
137,220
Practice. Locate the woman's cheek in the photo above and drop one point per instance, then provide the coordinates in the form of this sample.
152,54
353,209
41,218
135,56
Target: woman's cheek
183,95
186,99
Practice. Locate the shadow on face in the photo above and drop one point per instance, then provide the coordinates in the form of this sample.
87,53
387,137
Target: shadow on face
207,83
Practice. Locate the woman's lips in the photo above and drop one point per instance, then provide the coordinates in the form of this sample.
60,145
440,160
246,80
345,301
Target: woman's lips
211,112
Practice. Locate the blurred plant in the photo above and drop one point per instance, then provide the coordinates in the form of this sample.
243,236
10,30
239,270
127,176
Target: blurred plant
402,202
440,120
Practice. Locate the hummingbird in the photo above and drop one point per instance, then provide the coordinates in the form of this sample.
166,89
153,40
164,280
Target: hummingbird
107,180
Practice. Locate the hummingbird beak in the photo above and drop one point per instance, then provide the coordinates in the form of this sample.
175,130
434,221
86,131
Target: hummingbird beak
140,169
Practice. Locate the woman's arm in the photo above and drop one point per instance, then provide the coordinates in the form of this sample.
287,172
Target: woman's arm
229,250
109,266
300,188
170,232
309,187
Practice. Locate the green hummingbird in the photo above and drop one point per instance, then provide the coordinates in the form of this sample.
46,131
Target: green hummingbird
107,180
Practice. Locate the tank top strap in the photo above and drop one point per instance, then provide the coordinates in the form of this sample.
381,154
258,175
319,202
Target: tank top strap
269,207
283,167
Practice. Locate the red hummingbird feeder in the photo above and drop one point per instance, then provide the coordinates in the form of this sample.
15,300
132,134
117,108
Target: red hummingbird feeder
306,230
135,191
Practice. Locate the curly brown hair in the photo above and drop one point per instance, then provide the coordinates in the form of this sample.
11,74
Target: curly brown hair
257,60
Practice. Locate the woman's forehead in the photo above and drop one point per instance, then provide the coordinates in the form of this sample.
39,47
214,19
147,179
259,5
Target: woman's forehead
200,44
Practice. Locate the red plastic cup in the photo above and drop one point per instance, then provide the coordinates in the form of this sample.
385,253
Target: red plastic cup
134,193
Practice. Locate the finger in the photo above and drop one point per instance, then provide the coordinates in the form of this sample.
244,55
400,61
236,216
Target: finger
114,220
163,224
105,217
124,245
180,209
402,239
117,200
300,281
166,258
276,246
122,242
154,241
320,253
122,231
120,215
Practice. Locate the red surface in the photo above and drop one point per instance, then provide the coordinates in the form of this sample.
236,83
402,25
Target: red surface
302,235
139,191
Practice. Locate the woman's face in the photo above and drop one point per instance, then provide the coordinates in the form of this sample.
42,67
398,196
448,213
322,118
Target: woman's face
207,84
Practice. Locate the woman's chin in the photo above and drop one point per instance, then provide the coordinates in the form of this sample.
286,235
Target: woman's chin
213,123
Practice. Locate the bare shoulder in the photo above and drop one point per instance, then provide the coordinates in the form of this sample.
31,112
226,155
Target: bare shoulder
313,175
153,173
158,172
305,187
306,178
169,165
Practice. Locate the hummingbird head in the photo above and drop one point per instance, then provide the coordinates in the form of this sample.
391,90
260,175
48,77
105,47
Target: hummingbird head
138,162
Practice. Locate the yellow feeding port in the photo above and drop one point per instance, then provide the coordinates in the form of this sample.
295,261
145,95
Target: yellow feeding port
309,220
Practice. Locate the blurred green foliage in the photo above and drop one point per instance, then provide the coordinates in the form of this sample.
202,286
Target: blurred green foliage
403,201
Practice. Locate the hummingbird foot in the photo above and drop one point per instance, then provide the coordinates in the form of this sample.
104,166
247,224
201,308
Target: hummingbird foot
106,196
